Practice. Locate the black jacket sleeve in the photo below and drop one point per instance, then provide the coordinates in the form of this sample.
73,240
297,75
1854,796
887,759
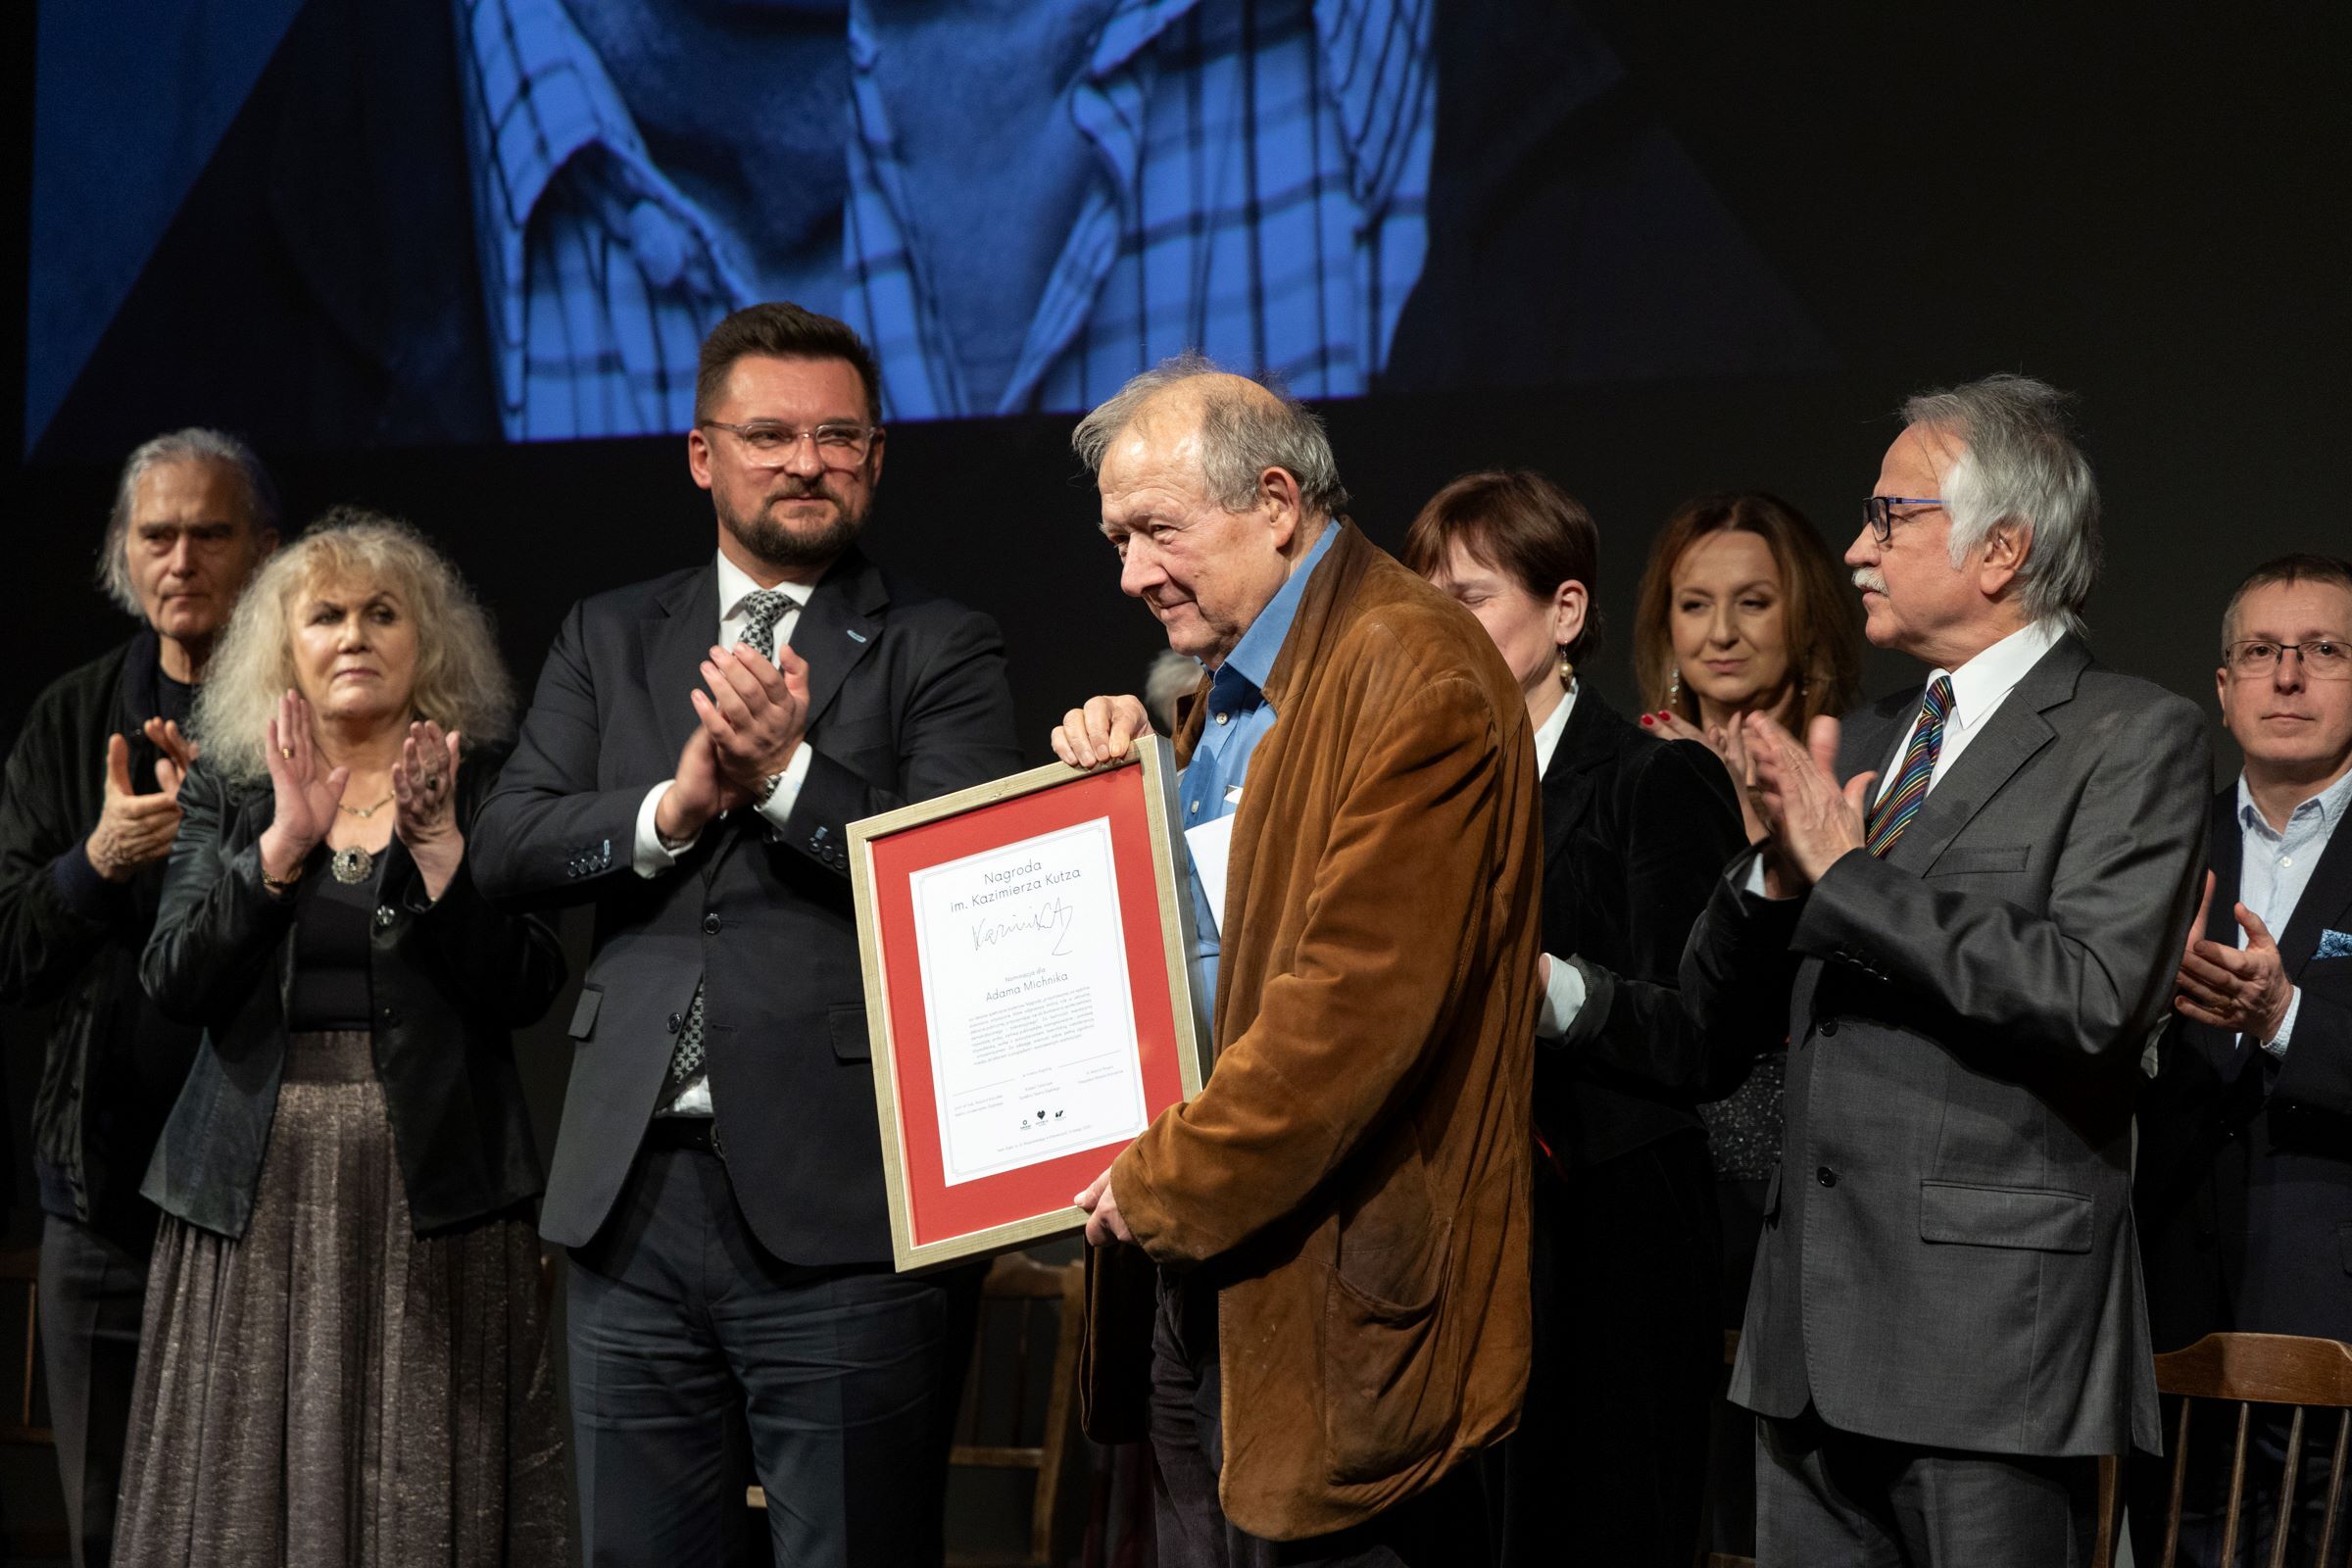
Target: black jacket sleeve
218,928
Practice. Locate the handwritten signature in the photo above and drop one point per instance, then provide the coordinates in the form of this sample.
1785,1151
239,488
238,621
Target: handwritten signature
1053,917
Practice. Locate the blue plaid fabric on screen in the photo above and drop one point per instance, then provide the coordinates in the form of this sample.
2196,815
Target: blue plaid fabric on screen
1260,194
1257,178
600,276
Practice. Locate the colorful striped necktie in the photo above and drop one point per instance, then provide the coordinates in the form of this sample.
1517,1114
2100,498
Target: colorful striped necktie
1902,801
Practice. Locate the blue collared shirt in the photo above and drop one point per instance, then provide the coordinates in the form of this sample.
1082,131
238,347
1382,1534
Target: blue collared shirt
2275,867
1239,716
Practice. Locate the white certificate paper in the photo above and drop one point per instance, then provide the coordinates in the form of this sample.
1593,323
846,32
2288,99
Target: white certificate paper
1025,995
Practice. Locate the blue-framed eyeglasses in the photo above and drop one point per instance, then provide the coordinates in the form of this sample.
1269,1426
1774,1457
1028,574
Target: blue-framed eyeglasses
1878,512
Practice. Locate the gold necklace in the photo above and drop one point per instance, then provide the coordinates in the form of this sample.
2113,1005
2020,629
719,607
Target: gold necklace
362,813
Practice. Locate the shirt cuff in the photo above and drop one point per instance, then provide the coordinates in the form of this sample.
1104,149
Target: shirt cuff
776,809
79,887
649,857
2277,1044
1564,999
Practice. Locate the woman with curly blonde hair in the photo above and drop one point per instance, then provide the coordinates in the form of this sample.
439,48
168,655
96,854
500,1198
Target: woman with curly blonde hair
344,1357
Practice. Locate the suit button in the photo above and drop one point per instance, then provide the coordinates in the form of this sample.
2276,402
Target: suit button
710,925
678,1021
390,1016
1826,1176
1829,1027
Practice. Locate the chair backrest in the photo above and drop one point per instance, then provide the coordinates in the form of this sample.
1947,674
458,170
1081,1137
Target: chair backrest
1011,1303
20,1289
2246,1370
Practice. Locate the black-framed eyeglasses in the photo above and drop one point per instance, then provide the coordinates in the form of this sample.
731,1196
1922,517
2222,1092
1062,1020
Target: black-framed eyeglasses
769,444
1878,512
2324,657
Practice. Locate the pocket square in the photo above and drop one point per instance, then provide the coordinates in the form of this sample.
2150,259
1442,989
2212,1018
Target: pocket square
2334,944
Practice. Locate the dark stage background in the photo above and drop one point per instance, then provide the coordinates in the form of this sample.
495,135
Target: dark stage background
2142,204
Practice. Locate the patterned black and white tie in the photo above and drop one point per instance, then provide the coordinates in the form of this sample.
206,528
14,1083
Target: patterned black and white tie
763,609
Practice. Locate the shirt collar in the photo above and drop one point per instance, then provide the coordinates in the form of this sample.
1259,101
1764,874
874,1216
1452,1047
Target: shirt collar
1547,738
2327,807
1252,658
1979,685
735,585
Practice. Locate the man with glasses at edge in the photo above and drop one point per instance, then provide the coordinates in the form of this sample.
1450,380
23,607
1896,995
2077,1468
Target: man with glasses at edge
2244,1190
1966,914
695,752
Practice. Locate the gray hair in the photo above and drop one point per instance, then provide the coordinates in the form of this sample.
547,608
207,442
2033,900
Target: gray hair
1240,436
460,682
195,444
2019,465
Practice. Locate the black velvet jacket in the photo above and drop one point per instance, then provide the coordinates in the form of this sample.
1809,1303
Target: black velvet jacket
449,980
1636,831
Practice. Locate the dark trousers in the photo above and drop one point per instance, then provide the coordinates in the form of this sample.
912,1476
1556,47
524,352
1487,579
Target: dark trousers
1441,1528
93,1289
688,1342
1609,1464
1827,1499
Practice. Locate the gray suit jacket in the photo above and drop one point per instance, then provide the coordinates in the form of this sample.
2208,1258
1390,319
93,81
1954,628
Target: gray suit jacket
1948,1257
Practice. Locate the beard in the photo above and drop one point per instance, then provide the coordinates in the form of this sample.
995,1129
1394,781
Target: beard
777,544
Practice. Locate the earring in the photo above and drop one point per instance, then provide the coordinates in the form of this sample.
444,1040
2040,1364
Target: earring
1674,687
1567,671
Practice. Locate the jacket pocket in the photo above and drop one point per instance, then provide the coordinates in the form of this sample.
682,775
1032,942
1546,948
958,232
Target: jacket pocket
2042,1219
1387,1400
847,1025
584,1011
1992,858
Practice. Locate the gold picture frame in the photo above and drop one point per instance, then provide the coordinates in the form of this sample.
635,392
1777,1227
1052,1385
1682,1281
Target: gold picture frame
1153,763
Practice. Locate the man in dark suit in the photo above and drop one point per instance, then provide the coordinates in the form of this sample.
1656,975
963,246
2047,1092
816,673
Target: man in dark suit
2246,1167
1974,938
691,761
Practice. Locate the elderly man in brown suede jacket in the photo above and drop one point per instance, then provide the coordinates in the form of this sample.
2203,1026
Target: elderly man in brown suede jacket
1338,1317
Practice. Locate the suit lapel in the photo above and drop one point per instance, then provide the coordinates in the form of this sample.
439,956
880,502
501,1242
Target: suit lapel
2324,899
677,639
839,628
2015,732
1568,781
2225,851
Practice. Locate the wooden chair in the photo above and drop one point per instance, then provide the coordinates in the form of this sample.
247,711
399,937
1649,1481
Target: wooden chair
1015,1286
2247,1370
20,1267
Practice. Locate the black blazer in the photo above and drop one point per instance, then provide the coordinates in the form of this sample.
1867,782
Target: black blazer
1637,829
449,980
906,700
2244,1193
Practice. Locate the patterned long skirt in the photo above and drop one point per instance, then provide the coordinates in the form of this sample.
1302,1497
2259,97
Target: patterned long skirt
333,1388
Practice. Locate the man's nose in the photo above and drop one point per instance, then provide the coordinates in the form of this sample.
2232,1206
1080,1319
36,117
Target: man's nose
1139,569
2286,675
1864,551
180,561
802,459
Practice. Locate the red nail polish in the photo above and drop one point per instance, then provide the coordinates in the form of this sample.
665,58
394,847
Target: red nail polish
1646,720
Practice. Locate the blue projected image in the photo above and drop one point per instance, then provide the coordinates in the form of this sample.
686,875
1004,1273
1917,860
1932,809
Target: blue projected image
380,221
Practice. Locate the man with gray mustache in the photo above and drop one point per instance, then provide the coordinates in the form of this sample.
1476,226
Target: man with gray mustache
1965,912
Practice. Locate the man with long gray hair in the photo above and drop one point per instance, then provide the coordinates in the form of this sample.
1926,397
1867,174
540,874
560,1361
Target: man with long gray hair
87,815
1965,916
1319,1307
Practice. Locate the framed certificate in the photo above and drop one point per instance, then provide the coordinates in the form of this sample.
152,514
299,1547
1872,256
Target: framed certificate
1025,945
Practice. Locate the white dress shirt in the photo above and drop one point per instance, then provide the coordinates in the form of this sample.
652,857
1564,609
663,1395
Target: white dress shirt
1564,991
2275,867
649,856
1978,688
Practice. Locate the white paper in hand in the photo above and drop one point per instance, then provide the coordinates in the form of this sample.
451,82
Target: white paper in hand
1209,845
